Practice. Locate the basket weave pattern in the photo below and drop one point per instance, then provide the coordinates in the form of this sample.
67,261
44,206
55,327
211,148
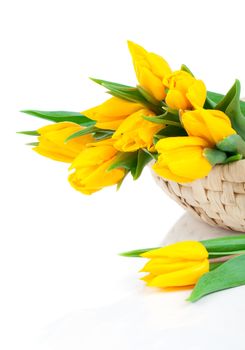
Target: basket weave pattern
218,199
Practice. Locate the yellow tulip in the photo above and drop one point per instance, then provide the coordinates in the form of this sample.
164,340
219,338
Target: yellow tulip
135,132
177,265
181,158
150,70
184,91
52,141
110,114
211,125
91,168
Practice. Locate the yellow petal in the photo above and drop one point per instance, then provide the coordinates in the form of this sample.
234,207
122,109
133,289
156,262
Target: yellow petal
190,250
113,109
177,100
211,125
197,94
185,277
158,268
171,143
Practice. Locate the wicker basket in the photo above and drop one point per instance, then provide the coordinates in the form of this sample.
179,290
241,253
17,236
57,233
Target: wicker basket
218,199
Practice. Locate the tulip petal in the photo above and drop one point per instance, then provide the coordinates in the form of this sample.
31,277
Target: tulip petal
190,250
184,277
197,94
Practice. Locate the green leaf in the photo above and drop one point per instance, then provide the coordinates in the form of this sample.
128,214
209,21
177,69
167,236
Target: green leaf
135,253
86,131
214,156
234,158
160,120
128,93
61,116
127,160
216,98
169,131
101,134
186,69
229,275
142,159
147,96
30,133
230,105
233,144
225,244
32,144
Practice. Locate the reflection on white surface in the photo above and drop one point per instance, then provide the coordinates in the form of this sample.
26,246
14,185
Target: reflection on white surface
149,319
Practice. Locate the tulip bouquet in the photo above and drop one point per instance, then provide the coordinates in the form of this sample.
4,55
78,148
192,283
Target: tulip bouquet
169,117
171,120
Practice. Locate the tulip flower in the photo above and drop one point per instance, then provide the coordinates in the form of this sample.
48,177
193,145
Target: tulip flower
135,132
150,70
110,114
181,159
184,91
177,265
211,125
52,141
91,168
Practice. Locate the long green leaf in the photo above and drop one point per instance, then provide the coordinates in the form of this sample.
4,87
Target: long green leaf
61,116
127,160
86,131
230,105
228,275
135,253
225,244
143,159
30,133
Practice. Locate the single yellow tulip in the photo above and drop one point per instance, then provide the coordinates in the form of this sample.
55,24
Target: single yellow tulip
150,70
211,125
52,141
184,91
91,168
110,114
177,265
181,158
135,132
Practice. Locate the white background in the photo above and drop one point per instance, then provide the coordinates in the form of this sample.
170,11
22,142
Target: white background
58,248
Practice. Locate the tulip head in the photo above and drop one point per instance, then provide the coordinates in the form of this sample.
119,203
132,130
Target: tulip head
177,265
110,114
181,159
135,132
184,91
91,168
52,141
211,125
150,70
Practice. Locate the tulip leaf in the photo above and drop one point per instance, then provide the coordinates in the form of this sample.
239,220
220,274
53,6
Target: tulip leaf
214,156
82,132
169,131
234,158
225,244
101,134
144,157
61,116
147,96
127,160
32,144
233,143
215,98
186,69
230,105
130,93
166,119
228,275
30,133
135,253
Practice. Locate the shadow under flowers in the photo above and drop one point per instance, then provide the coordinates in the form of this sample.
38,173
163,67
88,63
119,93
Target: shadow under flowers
190,228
